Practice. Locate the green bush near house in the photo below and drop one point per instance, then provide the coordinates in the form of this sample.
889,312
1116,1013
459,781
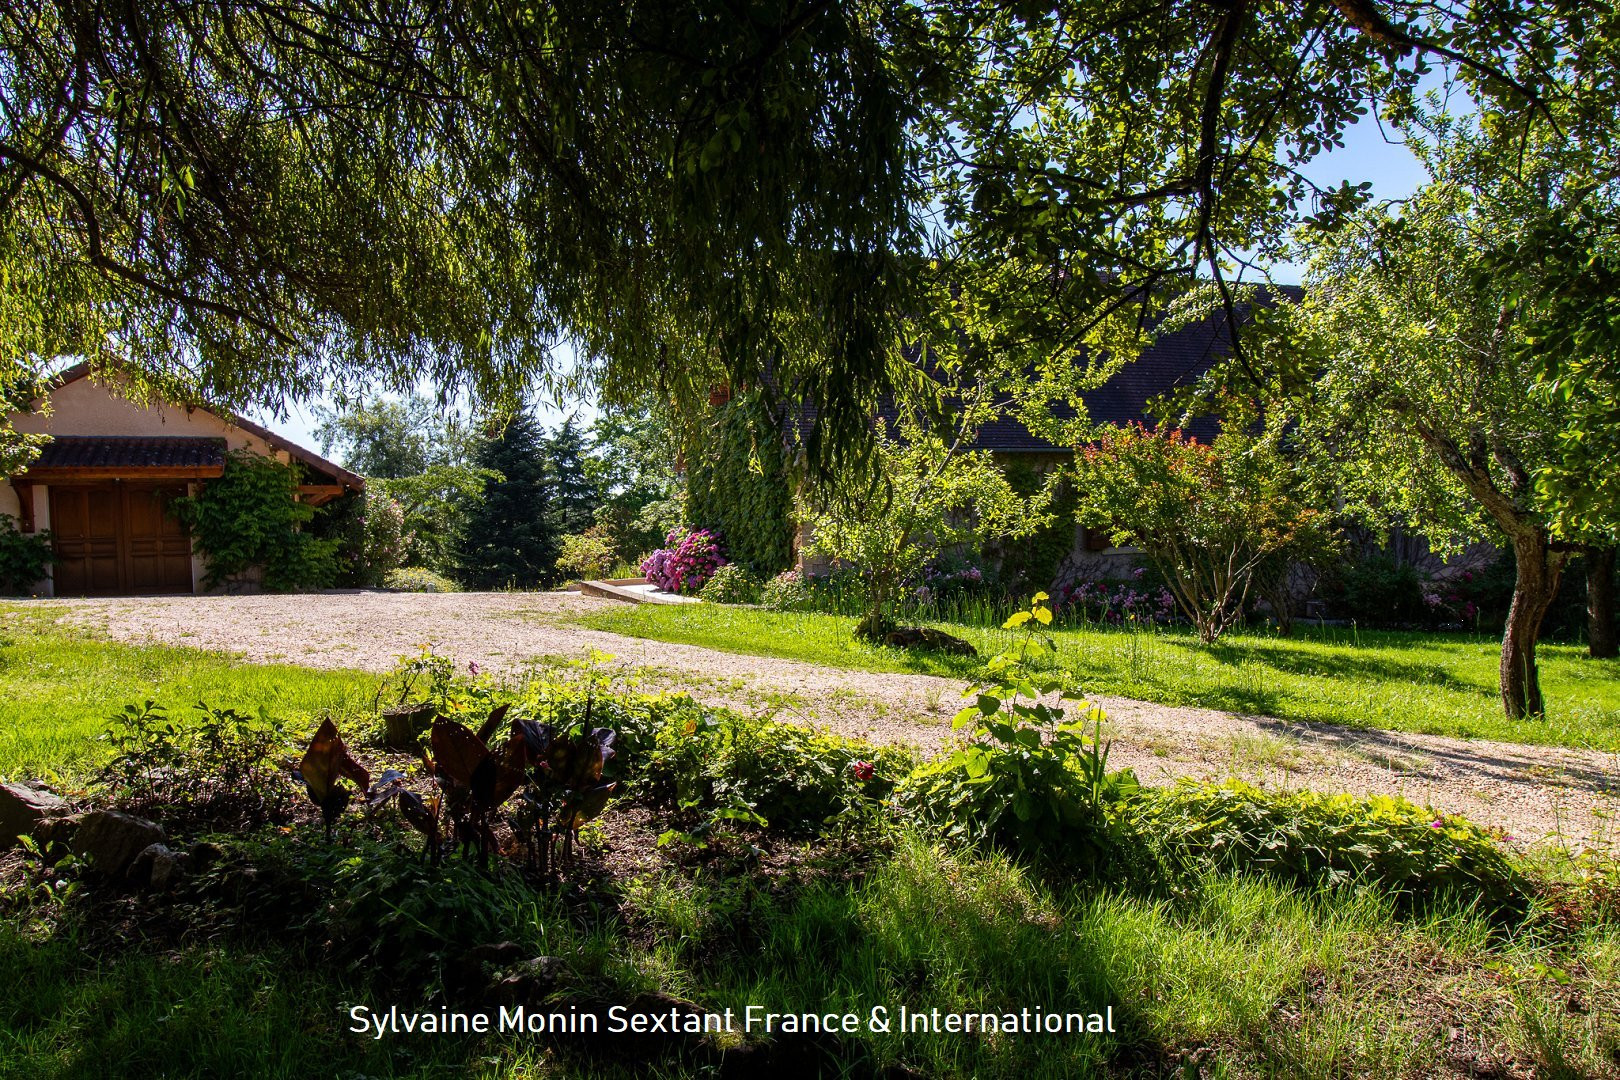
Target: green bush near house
737,485
731,584
786,592
419,579
589,554
1031,563
249,519
23,558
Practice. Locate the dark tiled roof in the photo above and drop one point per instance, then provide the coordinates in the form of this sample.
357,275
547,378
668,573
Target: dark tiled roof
1172,361
131,452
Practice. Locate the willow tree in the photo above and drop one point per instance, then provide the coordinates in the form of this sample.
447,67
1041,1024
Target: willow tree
255,200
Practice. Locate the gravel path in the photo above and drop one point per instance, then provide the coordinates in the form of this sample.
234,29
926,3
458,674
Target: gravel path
1533,793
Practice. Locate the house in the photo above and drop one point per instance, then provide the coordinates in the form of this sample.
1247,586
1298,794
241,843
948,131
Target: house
102,484
1172,361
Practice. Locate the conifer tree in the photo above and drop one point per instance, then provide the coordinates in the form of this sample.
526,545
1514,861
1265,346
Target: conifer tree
509,537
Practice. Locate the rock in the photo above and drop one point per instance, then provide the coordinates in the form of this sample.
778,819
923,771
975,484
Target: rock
500,953
23,806
924,637
547,969
54,835
532,981
205,854
111,840
157,867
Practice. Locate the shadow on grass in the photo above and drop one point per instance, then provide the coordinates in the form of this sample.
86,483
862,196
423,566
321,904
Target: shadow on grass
1520,768
1368,665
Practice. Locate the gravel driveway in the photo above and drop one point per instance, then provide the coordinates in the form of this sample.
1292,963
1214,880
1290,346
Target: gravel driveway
1533,793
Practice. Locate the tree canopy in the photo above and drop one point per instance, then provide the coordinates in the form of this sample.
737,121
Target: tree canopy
252,201
1420,383
1090,160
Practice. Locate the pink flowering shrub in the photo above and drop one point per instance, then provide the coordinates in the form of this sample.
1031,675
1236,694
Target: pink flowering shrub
688,562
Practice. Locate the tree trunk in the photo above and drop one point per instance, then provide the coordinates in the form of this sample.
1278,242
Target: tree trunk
1601,640
1534,587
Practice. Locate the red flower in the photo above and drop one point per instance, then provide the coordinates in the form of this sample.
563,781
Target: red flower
862,770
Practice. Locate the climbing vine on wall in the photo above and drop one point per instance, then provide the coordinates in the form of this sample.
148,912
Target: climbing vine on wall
737,485
249,518
1032,562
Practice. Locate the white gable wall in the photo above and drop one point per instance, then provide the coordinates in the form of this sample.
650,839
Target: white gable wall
82,407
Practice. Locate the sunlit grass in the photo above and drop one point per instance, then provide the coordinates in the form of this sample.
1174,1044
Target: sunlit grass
1439,684
59,686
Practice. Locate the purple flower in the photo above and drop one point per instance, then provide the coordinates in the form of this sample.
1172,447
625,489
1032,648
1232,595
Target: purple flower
472,668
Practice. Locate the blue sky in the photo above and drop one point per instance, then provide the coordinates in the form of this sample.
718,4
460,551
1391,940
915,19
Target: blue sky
1366,155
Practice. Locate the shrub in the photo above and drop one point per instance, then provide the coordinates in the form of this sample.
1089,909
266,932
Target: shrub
590,554
1378,591
893,515
738,484
1313,839
790,778
712,766
249,518
383,539
1026,779
23,557
418,579
1206,515
731,584
786,592
686,565
217,769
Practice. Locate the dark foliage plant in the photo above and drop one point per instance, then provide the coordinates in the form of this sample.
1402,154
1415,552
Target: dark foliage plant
325,764
737,484
23,557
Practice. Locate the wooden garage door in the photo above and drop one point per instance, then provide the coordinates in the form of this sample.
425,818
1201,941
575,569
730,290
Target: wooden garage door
116,539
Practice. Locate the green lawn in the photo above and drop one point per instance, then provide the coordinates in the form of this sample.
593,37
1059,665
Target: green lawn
1253,977
1439,684
58,687
1260,978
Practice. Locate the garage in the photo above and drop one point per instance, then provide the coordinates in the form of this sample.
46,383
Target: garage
119,539
110,505
112,462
